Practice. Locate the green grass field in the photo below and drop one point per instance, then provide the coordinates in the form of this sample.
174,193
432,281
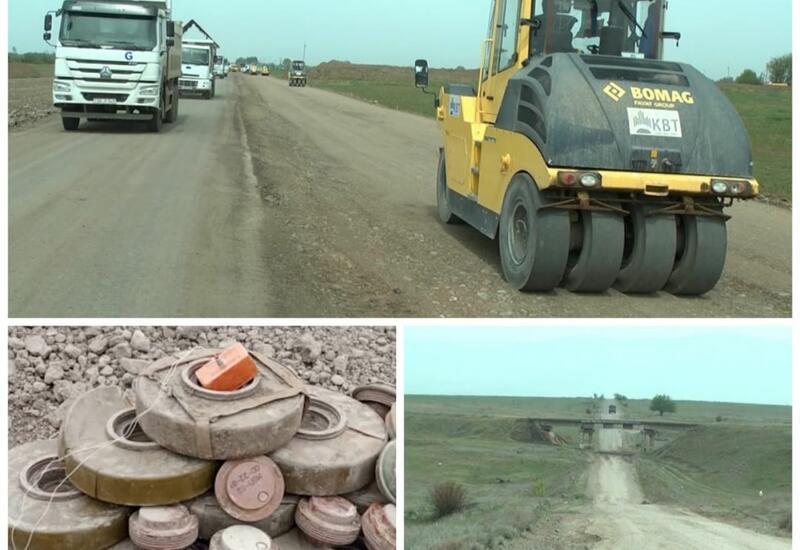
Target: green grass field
500,474
766,111
716,469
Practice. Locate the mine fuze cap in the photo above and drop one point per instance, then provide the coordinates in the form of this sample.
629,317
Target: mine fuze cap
231,369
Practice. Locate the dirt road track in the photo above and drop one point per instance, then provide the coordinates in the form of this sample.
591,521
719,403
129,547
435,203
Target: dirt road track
617,519
336,219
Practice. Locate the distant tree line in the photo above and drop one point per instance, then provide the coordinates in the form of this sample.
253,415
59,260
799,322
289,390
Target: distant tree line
779,71
32,57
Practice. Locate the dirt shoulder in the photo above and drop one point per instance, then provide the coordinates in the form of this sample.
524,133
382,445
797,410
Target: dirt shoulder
29,100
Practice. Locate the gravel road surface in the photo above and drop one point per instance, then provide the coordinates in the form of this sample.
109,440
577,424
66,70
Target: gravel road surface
272,201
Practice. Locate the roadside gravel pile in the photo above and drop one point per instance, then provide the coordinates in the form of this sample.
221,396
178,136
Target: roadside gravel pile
29,99
50,366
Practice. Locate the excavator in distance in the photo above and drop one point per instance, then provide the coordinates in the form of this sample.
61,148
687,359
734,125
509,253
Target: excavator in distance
593,162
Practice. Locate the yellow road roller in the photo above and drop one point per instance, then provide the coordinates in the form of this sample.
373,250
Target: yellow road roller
594,162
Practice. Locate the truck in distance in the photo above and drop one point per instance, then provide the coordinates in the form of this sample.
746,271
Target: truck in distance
116,60
297,73
198,68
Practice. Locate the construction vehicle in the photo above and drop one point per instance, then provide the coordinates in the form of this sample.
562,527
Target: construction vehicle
265,70
235,68
297,73
198,68
253,69
199,58
592,160
116,60
220,67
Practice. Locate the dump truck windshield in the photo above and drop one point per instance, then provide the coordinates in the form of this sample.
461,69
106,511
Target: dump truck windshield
195,56
630,28
105,30
298,66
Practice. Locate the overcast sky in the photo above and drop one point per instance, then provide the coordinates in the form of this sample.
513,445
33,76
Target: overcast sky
717,34
740,365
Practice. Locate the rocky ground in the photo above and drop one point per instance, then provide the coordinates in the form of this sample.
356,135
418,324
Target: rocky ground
50,366
29,99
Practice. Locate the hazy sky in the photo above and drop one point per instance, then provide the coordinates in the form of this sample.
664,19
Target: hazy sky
743,365
717,34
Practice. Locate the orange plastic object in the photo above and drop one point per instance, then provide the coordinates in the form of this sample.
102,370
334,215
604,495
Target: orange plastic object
228,371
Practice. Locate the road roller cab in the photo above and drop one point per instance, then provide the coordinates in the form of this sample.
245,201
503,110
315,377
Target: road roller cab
592,160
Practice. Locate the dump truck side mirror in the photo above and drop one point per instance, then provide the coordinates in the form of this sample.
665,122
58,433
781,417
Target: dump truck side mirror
421,73
48,22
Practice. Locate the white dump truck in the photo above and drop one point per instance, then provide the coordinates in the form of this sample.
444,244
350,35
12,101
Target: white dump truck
198,68
116,60
219,67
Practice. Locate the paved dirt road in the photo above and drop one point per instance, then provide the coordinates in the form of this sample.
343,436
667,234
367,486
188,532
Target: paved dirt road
273,201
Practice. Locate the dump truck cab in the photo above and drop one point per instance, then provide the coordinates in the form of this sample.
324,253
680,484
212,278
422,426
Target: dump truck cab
592,160
198,68
297,73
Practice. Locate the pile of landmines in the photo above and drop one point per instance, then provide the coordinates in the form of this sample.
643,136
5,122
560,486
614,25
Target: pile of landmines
304,467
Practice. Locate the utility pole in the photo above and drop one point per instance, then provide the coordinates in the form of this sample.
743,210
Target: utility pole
304,51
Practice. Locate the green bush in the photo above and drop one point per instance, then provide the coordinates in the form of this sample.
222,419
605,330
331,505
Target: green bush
539,488
448,497
748,76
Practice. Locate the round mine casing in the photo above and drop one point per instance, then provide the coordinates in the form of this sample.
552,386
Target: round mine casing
366,497
295,540
133,470
386,471
391,426
128,545
379,525
254,420
71,520
328,520
250,489
380,397
213,518
163,527
336,448
241,537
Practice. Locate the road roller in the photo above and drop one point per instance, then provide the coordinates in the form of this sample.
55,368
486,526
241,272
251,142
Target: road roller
594,162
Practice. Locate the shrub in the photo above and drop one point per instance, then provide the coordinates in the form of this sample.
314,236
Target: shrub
539,488
448,497
748,76
719,418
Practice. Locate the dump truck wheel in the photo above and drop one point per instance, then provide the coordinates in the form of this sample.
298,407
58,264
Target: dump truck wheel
534,243
701,256
71,124
595,265
172,115
442,201
649,257
157,122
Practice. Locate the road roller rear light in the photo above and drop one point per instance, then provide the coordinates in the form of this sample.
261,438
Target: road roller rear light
719,187
590,180
567,179
228,371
